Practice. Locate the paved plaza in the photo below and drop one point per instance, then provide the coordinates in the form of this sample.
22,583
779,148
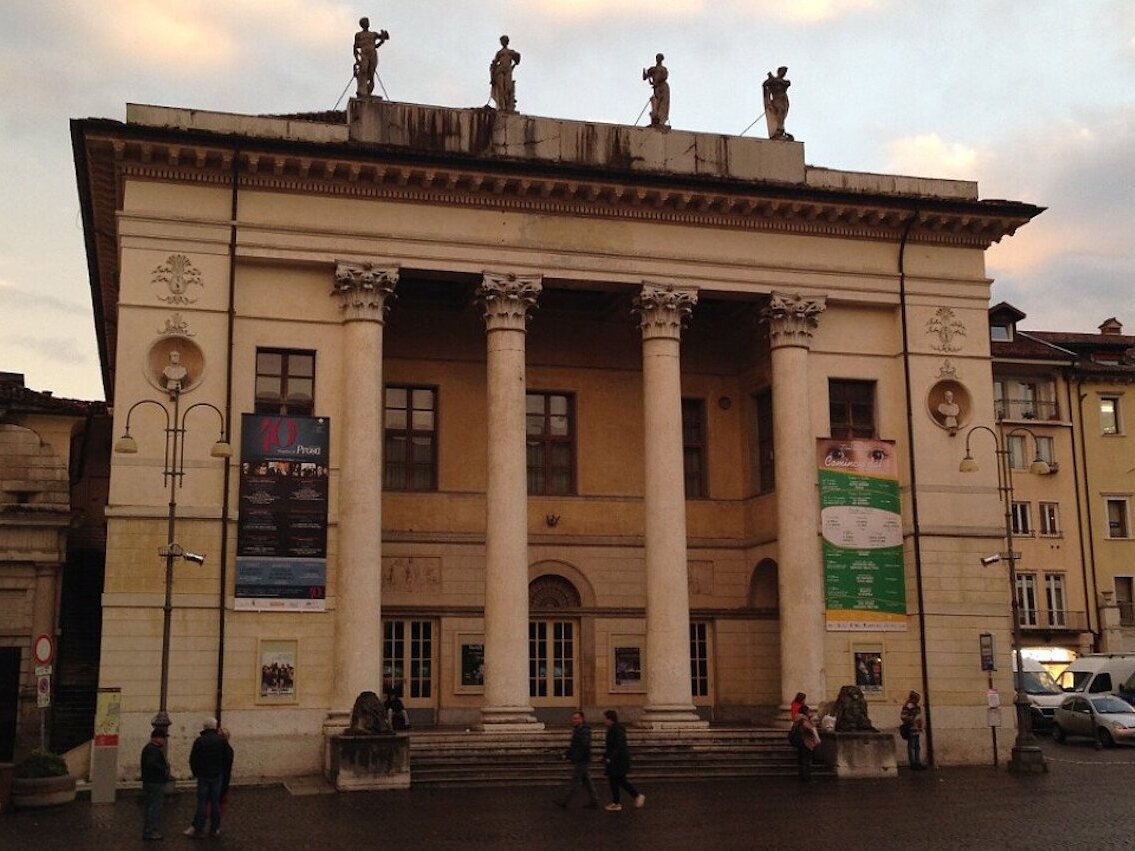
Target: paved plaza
1083,802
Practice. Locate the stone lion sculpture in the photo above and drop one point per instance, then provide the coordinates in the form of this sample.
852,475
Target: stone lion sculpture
851,712
368,716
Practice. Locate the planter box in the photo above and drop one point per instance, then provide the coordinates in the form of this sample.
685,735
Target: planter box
29,792
361,763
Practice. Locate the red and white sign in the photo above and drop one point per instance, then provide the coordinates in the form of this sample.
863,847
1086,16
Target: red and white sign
44,650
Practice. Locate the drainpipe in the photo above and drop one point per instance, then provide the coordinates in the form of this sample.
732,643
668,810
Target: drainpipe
228,436
1084,506
916,527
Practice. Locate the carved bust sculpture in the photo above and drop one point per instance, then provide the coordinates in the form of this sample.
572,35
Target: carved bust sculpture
851,712
949,409
368,716
174,374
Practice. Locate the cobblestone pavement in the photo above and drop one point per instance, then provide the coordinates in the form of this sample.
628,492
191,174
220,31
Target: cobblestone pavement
1083,802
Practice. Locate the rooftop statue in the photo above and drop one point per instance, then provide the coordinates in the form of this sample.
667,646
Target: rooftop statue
367,44
776,103
660,100
500,76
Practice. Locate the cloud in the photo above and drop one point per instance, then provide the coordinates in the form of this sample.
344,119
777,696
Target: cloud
806,11
790,11
54,349
932,156
13,299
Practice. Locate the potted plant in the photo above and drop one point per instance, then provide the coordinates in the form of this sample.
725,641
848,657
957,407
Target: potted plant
42,780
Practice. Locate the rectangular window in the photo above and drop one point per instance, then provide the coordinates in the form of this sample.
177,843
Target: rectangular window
851,408
1049,518
1026,598
1024,399
1054,599
1021,524
1018,460
1109,415
1125,599
699,659
285,382
551,443
551,659
408,665
694,447
1043,450
765,479
1117,525
410,449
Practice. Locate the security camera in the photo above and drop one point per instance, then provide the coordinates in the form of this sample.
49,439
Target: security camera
196,558
988,560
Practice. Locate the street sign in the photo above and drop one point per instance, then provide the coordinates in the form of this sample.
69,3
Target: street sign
44,650
43,691
43,670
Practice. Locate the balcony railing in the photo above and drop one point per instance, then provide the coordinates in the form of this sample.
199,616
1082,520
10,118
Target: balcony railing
1024,409
1060,620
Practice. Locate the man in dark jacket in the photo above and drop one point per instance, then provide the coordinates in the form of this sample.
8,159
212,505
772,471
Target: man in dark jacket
617,759
155,775
579,754
207,762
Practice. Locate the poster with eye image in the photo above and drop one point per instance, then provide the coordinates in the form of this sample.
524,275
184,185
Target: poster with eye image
281,546
861,523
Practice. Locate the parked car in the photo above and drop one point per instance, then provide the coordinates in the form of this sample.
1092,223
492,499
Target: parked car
1043,693
1103,718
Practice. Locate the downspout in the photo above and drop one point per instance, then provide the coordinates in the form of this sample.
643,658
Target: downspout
916,527
228,436
1084,506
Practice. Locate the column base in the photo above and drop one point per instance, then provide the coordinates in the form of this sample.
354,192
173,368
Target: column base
671,717
1028,759
509,719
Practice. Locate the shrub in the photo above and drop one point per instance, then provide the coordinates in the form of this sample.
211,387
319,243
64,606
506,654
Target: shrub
42,764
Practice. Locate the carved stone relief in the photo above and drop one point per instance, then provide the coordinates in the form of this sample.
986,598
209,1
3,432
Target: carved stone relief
700,578
174,362
173,279
412,573
948,329
176,326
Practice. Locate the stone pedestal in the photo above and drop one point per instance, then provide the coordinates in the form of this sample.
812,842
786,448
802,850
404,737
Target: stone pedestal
859,755
369,763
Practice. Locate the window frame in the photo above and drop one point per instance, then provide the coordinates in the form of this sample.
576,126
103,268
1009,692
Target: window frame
1048,517
1026,598
1124,504
283,407
700,447
548,440
1056,586
765,441
1116,428
410,433
1021,518
700,686
850,428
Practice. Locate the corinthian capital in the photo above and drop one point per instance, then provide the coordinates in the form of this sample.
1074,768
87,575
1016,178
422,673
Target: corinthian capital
791,318
662,309
363,288
507,300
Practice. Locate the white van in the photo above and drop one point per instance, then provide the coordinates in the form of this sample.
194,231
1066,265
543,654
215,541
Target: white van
1097,673
1043,693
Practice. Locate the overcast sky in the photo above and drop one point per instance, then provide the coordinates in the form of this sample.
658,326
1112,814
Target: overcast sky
1035,99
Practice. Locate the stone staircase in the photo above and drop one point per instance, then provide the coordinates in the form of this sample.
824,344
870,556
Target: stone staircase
452,757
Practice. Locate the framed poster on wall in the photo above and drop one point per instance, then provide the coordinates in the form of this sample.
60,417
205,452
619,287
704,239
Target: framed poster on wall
627,663
276,671
471,663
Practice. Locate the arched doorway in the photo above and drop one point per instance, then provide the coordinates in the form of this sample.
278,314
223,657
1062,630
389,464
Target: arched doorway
553,641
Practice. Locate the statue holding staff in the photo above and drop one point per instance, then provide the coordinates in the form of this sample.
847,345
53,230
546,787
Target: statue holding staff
776,103
660,100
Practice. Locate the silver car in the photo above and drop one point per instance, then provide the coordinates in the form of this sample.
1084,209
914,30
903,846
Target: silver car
1103,718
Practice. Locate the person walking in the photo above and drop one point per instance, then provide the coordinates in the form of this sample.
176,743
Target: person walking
155,776
207,762
579,754
617,762
911,718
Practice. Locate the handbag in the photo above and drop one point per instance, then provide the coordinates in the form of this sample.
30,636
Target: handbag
904,730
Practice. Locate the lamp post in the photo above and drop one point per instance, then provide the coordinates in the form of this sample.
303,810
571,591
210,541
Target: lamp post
173,473
1027,756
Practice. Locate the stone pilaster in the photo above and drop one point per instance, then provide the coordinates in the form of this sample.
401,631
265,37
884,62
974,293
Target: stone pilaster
662,310
791,319
507,299
362,290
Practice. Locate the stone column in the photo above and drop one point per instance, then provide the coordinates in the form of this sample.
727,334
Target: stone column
362,290
791,319
507,300
662,310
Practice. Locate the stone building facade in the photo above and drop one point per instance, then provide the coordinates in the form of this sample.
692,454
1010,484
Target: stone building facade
576,377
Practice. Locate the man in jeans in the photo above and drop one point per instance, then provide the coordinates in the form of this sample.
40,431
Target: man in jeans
155,776
207,762
579,754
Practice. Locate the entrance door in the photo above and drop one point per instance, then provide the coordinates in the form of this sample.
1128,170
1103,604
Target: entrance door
551,662
408,665
9,700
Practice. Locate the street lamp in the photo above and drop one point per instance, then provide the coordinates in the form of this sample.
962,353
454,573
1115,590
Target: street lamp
1027,756
173,473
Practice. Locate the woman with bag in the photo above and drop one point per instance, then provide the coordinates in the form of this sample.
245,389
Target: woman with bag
911,730
804,737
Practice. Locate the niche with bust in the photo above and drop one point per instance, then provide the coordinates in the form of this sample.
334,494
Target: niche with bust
949,405
174,363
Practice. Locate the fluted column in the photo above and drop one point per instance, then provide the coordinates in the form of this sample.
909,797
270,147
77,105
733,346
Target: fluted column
791,319
507,300
662,310
362,290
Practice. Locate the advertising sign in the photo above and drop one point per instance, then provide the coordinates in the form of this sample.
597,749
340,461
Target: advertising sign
861,521
281,559
108,716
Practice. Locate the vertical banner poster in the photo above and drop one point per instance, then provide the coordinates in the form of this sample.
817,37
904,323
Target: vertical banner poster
281,548
861,520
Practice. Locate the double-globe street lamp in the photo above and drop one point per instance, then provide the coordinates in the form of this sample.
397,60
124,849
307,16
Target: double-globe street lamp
1027,756
173,473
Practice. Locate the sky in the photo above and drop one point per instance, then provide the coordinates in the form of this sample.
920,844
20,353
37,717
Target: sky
1034,99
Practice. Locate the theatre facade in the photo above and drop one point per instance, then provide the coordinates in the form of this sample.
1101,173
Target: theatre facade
534,414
